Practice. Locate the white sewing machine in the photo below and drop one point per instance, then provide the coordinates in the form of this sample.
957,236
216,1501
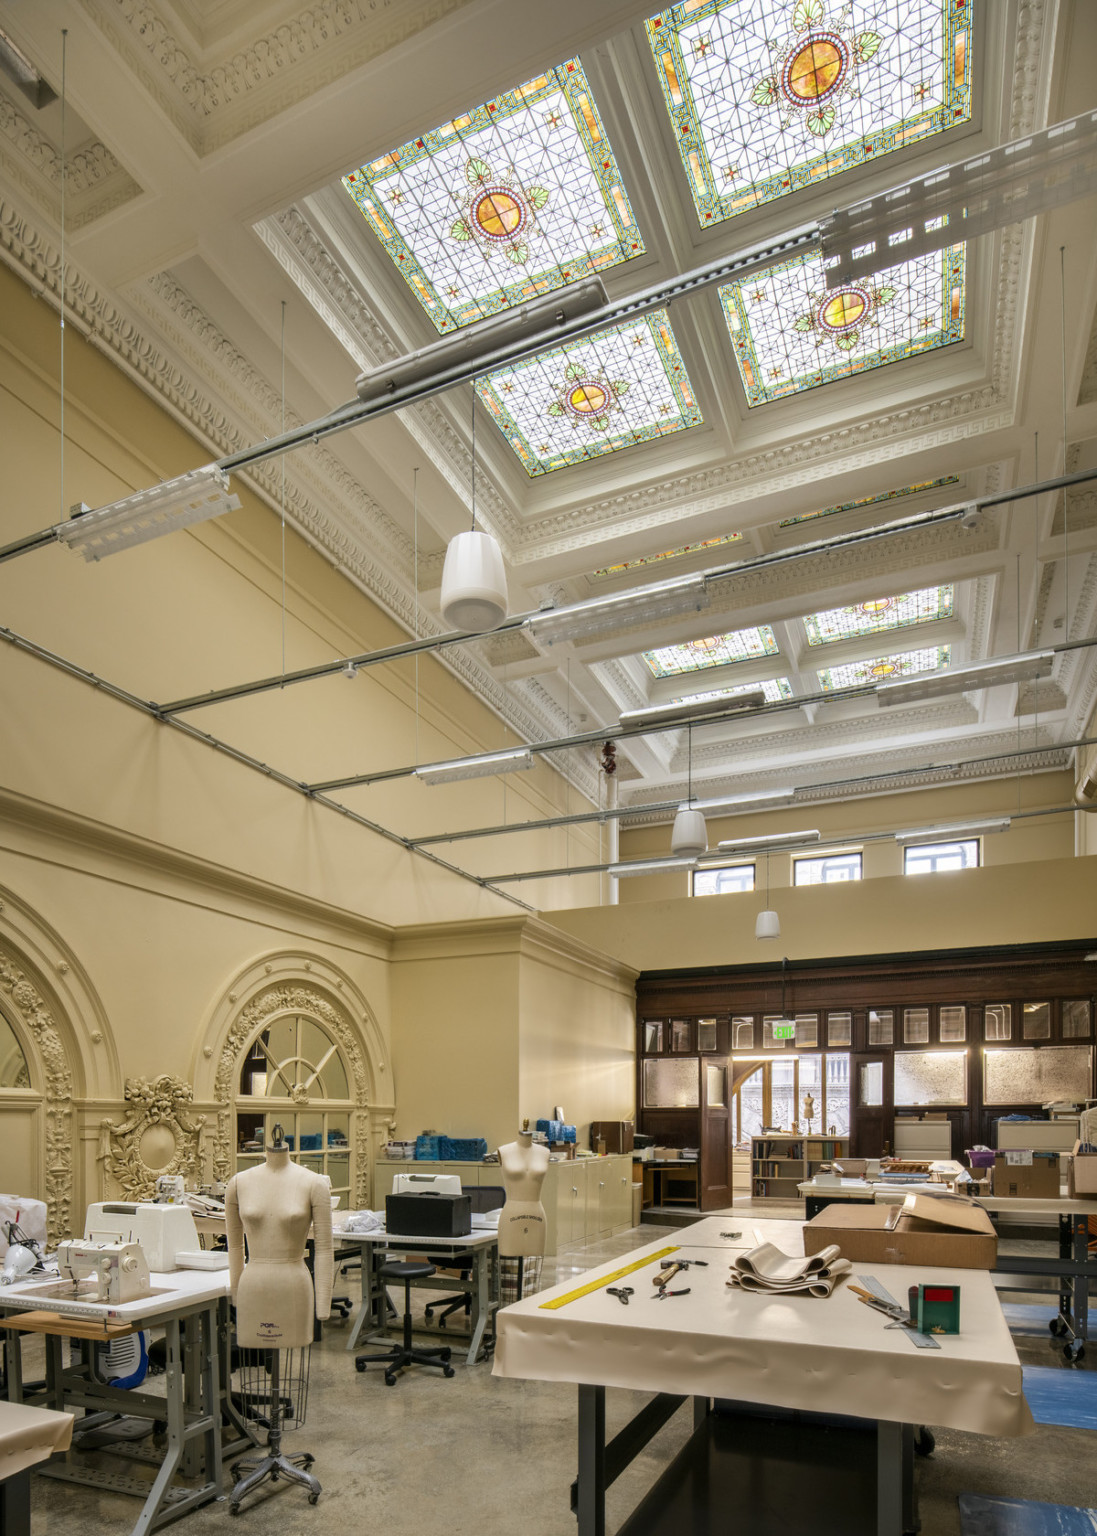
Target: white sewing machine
163,1231
120,1270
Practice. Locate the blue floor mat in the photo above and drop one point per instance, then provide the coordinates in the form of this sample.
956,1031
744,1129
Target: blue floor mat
1026,1318
1061,1396
1022,1517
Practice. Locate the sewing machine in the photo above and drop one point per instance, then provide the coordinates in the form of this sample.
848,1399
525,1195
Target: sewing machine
163,1231
120,1270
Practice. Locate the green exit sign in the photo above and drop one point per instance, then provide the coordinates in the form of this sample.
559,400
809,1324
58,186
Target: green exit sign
784,1031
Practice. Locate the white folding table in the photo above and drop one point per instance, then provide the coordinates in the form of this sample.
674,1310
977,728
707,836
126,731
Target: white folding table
835,1356
192,1308
482,1286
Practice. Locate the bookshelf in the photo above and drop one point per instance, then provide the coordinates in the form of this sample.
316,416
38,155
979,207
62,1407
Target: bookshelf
779,1163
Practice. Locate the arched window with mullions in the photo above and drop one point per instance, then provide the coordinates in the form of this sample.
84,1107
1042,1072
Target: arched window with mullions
293,1073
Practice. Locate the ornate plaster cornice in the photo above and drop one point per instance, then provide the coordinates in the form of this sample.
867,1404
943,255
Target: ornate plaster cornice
95,182
213,101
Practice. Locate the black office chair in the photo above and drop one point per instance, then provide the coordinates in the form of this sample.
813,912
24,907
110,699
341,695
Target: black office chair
404,1354
489,1197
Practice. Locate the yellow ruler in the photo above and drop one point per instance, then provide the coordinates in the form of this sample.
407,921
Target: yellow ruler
597,1285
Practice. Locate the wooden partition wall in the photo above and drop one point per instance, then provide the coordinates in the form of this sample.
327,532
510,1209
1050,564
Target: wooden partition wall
885,1010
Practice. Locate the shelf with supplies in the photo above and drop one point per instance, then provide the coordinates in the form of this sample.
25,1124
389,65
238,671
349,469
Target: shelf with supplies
778,1163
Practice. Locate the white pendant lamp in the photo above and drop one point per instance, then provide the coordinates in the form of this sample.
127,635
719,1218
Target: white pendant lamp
689,835
474,582
767,925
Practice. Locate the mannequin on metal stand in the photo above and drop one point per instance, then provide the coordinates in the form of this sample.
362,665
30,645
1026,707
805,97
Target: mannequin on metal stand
522,1221
273,1206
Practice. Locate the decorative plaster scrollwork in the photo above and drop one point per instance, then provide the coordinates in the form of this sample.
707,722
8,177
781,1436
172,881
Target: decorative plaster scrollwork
274,1000
35,1013
157,1127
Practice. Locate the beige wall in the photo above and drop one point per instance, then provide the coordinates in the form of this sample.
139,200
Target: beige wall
1006,904
504,1020
1029,838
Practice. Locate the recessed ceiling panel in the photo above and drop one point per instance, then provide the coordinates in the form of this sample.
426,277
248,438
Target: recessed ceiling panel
715,651
885,668
599,394
877,614
768,96
517,197
872,501
790,333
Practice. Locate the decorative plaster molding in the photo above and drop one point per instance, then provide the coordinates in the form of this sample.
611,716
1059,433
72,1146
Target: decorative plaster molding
95,182
214,102
277,999
35,1015
1087,390
158,1137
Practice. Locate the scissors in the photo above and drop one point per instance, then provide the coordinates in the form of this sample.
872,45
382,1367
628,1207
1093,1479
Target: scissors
622,1292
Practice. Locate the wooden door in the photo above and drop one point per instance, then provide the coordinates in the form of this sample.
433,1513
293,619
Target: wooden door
715,1161
872,1110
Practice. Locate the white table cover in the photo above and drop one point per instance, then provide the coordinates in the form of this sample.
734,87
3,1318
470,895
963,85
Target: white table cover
30,1435
835,1355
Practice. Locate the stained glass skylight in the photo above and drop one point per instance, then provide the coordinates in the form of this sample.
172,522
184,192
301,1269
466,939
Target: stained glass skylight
715,651
517,197
767,96
885,669
872,501
670,554
791,334
774,688
878,613
592,396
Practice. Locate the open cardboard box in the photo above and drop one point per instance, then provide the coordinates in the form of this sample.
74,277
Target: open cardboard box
944,1230
1083,1172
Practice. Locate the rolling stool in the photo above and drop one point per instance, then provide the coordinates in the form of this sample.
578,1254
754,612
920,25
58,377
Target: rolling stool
403,1354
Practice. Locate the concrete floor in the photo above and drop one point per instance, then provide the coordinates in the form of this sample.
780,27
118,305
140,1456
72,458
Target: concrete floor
478,1456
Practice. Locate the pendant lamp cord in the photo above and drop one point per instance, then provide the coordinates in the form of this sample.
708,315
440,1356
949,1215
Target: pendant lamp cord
474,458
689,766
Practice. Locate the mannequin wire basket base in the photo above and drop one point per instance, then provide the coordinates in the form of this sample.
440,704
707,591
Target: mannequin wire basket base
272,1386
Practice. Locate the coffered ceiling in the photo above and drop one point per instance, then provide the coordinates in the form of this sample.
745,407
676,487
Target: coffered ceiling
392,169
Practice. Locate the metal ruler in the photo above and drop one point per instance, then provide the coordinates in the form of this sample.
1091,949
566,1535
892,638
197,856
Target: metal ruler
919,1340
597,1285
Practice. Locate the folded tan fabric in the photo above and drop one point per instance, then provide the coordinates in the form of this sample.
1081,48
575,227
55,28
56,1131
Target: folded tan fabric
766,1268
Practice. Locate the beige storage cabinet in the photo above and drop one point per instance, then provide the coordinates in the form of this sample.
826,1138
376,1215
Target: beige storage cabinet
585,1198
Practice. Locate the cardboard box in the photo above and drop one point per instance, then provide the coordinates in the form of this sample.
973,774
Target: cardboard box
860,1231
1026,1175
1082,1173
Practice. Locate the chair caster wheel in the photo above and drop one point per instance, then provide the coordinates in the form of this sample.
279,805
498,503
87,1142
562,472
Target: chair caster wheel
359,1365
313,1497
441,1322
234,1509
1075,1350
447,1370
1057,1327
390,1381
307,1460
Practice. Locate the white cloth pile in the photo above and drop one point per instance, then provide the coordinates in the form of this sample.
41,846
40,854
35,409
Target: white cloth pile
768,1269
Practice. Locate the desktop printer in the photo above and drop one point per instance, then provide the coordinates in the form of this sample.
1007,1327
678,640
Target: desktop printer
163,1231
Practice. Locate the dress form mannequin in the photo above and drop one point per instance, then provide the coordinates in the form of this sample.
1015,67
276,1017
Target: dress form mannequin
522,1223
274,1205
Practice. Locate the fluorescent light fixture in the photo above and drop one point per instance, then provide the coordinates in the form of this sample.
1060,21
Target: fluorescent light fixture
770,844
981,674
1002,186
950,833
516,760
179,503
22,73
647,867
530,322
658,600
679,713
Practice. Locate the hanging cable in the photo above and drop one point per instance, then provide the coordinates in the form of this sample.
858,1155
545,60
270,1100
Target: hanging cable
415,589
283,507
1063,373
474,456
